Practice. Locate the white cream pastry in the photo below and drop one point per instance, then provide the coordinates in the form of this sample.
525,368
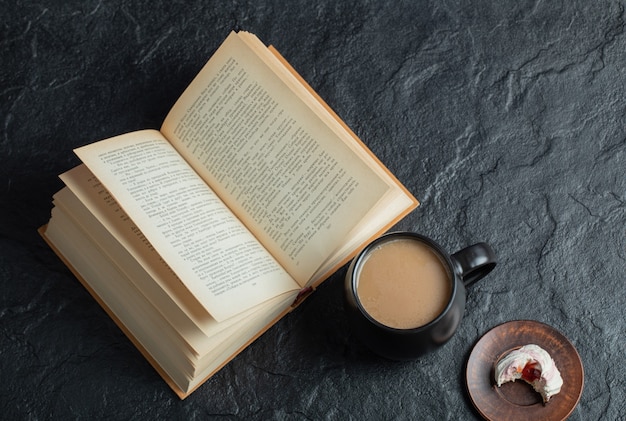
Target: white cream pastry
533,365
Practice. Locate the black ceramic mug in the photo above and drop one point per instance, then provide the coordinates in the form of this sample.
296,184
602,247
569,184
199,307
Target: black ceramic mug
450,272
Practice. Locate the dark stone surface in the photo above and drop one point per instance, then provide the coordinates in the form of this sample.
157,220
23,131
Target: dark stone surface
506,119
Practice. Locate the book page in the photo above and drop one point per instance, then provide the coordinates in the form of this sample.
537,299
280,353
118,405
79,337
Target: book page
279,166
93,208
214,255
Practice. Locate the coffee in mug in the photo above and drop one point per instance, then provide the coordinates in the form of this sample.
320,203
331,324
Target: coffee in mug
404,283
405,295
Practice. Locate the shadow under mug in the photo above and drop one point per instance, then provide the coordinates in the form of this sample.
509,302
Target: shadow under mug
464,267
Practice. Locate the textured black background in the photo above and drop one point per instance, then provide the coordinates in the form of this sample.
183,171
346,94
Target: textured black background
505,118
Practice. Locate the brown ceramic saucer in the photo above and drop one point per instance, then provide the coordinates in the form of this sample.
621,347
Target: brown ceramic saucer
517,400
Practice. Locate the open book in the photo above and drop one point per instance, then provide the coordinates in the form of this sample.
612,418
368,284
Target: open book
197,238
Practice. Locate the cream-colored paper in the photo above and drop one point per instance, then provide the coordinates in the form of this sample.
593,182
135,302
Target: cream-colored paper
283,171
215,256
93,208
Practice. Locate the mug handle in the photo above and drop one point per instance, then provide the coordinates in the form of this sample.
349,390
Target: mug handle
474,262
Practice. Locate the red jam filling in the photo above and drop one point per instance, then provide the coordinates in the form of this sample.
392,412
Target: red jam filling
531,372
